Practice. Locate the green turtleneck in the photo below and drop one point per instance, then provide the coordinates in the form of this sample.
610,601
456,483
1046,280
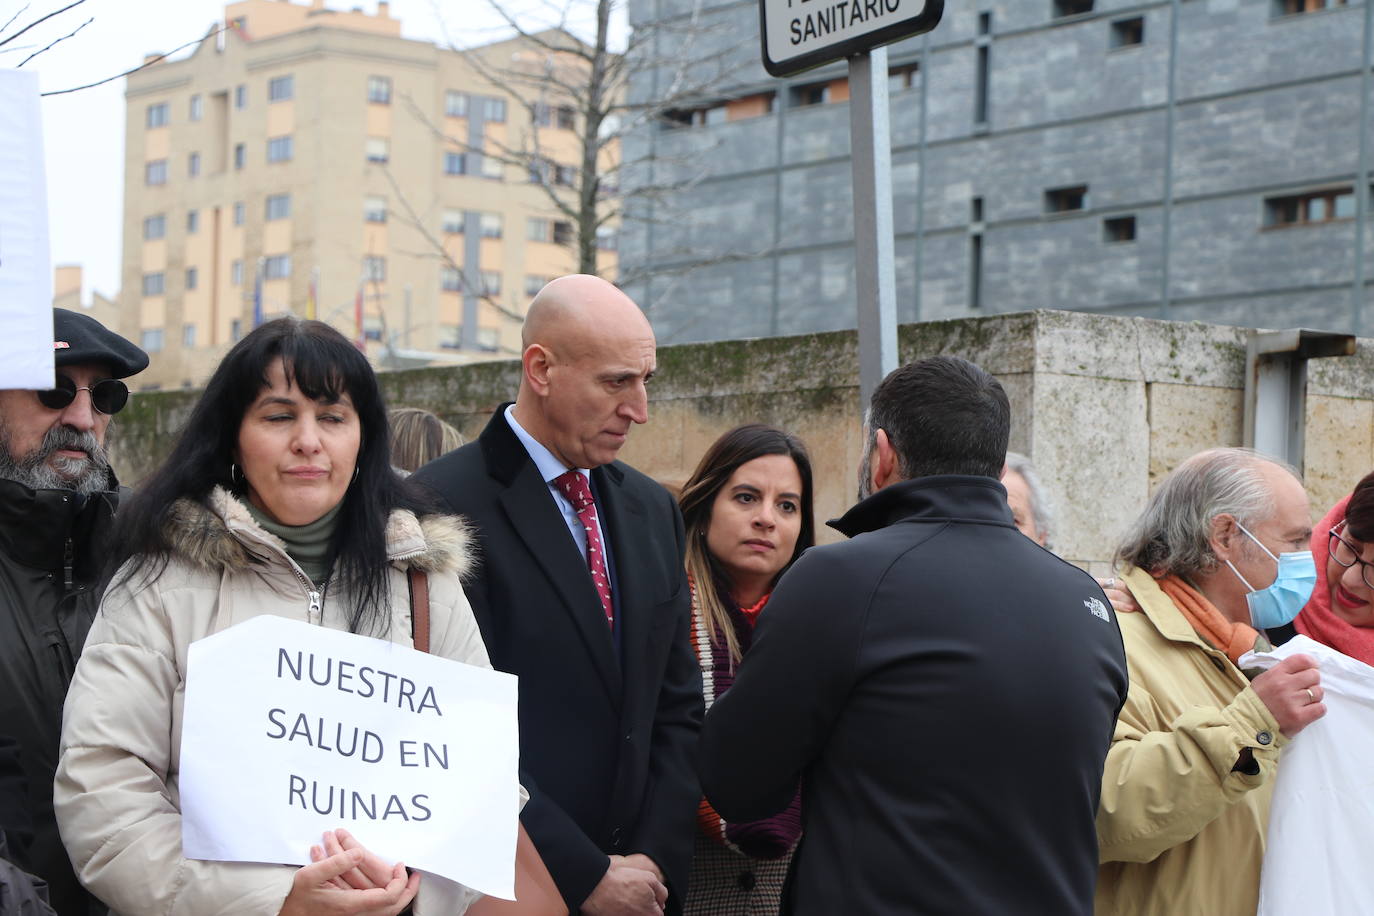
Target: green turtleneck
308,544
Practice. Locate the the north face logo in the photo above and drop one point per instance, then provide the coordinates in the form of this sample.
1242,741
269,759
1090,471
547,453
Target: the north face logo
1098,608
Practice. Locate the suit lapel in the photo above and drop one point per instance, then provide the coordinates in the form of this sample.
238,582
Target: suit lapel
532,513
623,520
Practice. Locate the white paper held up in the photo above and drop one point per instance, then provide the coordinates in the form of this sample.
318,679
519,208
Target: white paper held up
291,729
26,355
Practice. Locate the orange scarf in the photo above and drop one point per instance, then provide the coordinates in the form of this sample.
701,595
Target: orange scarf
1232,637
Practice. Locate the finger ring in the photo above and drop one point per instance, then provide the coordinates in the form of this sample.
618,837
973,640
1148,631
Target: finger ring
1111,583
1311,697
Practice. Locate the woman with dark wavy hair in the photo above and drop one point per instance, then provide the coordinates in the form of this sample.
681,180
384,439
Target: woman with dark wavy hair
278,498
747,509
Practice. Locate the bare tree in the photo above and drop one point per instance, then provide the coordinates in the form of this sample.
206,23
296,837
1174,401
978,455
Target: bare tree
589,87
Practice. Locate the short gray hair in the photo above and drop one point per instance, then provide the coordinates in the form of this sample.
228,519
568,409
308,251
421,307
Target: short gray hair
1042,510
1172,535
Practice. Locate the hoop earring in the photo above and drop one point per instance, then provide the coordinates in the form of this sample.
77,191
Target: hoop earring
235,475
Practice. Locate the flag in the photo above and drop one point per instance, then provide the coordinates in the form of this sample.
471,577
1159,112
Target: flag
312,298
257,296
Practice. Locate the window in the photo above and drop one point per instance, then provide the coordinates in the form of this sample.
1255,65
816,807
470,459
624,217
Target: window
239,213
451,280
155,227
192,278
240,155
374,268
496,110
276,267
456,104
374,209
155,172
491,282
158,115
561,116
810,94
279,149
1313,207
488,339
1064,8
154,284
1288,7
240,96
377,149
534,283
455,164
490,225
151,340
985,23
562,232
537,230
278,206
1065,200
565,176
975,270
192,222
451,336
492,167
452,221
236,273
193,164
196,108
902,78
236,329
1128,33
1118,229
188,336
538,169
975,210
606,238
372,329
379,89
281,89
980,87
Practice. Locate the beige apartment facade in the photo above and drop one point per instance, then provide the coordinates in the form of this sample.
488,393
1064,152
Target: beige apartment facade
320,157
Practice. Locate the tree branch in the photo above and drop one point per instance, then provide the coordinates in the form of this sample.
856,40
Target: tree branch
40,21
55,41
147,63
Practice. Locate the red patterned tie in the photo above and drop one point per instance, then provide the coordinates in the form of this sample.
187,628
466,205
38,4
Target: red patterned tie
574,486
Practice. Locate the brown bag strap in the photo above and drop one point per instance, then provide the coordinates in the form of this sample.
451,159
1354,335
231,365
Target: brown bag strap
419,608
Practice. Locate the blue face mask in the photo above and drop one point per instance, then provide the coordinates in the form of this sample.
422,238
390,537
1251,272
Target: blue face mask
1279,603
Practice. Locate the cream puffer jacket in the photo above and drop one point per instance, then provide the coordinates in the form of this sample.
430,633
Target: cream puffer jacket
116,792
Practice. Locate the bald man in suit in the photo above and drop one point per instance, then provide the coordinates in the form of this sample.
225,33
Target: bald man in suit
581,593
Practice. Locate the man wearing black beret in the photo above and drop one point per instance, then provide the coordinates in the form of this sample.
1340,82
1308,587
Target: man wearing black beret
57,499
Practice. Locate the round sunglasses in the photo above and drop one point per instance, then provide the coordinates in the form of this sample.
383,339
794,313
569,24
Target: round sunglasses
108,395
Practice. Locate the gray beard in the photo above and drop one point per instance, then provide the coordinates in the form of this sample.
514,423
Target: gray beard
82,476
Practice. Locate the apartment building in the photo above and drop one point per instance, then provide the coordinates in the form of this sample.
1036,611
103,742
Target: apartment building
314,162
1184,159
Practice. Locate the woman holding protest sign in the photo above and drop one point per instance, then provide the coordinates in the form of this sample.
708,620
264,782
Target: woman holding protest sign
278,498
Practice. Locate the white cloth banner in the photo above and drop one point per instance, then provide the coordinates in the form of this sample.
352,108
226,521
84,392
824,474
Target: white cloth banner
291,729
1321,823
25,260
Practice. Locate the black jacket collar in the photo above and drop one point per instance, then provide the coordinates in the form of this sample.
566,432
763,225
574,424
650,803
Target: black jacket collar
948,497
36,524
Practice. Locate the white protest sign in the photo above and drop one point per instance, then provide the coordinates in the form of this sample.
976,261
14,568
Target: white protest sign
291,729
25,262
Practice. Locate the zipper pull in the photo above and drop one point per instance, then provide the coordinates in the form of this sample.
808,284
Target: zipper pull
67,561
314,605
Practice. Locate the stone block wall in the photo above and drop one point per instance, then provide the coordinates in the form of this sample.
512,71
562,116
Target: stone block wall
1104,405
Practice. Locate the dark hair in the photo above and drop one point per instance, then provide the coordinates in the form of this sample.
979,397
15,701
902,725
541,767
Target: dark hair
1359,512
324,365
943,415
418,437
737,447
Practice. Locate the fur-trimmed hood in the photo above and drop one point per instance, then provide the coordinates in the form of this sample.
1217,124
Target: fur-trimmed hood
223,535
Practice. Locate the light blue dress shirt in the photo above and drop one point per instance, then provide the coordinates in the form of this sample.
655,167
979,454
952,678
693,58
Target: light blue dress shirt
550,468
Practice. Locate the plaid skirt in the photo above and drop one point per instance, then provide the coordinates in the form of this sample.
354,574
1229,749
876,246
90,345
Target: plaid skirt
727,883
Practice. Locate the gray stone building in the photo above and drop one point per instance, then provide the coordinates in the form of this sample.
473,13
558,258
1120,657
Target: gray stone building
1183,159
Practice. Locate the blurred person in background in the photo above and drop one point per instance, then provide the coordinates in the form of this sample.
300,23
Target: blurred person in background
418,437
748,513
58,497
1031,508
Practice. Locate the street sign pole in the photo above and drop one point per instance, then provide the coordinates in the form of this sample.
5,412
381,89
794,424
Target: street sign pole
874,272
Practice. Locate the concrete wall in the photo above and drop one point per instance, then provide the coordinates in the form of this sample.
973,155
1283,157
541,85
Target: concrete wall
1104,405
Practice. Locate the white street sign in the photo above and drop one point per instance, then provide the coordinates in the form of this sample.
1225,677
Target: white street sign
800,34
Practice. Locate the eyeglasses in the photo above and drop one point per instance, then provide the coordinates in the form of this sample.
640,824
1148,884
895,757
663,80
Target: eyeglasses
1347,555
108,395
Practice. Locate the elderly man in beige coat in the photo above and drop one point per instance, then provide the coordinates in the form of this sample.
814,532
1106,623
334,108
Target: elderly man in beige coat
1187,783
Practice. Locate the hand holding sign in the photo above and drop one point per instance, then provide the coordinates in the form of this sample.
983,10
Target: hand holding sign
315,892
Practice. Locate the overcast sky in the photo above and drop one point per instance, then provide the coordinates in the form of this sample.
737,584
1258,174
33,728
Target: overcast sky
84,131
